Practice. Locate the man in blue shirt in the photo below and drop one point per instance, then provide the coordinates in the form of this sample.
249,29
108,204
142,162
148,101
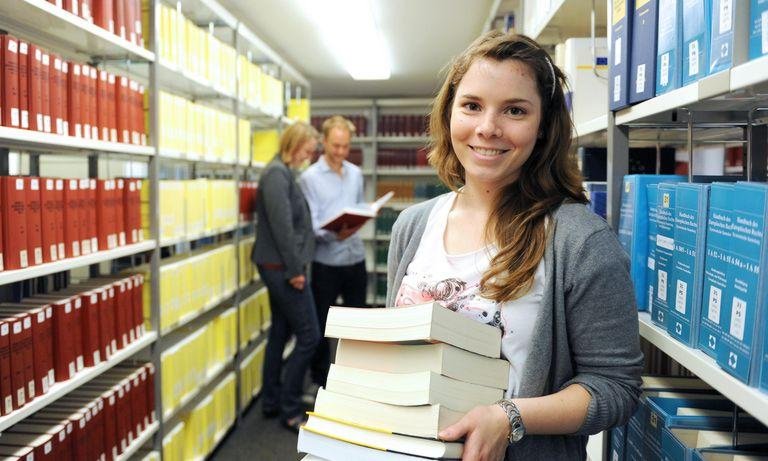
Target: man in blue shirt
329,185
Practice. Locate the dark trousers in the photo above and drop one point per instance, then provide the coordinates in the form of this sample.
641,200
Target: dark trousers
293,312
328,282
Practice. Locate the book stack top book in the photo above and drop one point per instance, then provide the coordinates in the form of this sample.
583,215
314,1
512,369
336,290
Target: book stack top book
400,376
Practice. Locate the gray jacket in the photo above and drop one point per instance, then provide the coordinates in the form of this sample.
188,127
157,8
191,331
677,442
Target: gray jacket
284,225
587,331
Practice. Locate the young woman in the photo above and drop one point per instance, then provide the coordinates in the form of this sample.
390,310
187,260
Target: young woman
514,246
282,254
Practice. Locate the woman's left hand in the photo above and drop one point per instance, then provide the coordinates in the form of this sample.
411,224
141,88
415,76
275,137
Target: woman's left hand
485,430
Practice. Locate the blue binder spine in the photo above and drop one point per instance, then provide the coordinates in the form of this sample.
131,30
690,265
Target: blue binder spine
619,55
642,83
652,191
669,43
665,251
758,28
696,19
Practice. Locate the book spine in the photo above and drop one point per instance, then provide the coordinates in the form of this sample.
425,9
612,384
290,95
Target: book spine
45,91
643,51
665,248
669,46
11,116
34,220
14,222
619,59
24,84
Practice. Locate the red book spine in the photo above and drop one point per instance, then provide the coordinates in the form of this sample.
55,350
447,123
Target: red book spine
42,339
48,218
139,29
73,6
35,63
142,119
131,236
57,109
63,354
122,423
45,91
49,344
137,404
60,206
6,388
123,305
151,391
90,327
130,22
128,317
85,104
119,213
109,318
105,331
73,94
102,211
10,79
118,8
28,351
18,382
121,107
77,332
103,106
24,83
102,15
138,305
143,403
71,217
34,220
110,431
13,205
64,78
93,107
82,213
133,111
92,229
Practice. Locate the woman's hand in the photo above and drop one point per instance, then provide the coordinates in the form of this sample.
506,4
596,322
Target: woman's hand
485,430
298,282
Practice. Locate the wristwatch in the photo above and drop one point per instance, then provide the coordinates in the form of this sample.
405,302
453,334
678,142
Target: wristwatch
516,426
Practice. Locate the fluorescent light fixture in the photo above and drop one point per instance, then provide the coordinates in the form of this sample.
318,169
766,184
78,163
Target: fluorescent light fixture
352,35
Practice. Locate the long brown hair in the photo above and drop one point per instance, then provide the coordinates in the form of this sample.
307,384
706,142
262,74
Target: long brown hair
549,177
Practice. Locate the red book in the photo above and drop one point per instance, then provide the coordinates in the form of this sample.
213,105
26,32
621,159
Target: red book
130,21
133,110
118,9
41,444
138,304
34,220
144,408
73,96
6,388
18,381
104,214
107,318
34,82
123,305
141,118
45,90
60,206
103,16
83,213
55,88
24,83
151,391
73,6
64,97
139,28
92,98
33,372
13,203
20,453
89,323
122,107
50,231
85,103
71,217
119,211
40,316
56,448
79,435
112,108
131,234
128,316
103,105
10,78
63,333
92,228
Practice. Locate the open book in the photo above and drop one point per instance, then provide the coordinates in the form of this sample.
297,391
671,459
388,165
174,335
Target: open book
357,215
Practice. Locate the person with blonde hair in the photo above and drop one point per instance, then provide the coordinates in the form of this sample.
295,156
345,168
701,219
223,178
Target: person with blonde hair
338,267
514,246
284,247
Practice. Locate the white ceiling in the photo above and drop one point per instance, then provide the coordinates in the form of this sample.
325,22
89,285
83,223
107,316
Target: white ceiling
423,35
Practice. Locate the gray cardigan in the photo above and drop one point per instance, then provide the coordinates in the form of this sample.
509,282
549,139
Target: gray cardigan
284,232
586,332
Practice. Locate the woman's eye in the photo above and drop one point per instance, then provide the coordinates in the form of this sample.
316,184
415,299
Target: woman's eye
472,106
515,111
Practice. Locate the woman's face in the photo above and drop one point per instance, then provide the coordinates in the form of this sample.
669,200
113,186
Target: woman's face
303,153
495,121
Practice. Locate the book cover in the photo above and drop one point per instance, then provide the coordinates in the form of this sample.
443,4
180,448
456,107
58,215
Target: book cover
60,206
63,347
665,252
54,90
669,46
34,219
439,358
428,322
93,102
726,47
9,58
13,202
64,97
409,389
642,73
45,91
84,213
633,227
111,104
697,16
72,217
85,103
619,53
24,84
366,436
718,253
758,28
102,93
35,62
122,110
119,212
743,310
692,201
73,106
355,216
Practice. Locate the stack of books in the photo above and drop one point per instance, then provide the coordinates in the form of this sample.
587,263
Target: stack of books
400,376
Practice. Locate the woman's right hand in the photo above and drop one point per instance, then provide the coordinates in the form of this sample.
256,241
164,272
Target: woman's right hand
298,282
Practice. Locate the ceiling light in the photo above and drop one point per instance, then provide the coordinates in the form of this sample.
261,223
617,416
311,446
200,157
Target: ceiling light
350,32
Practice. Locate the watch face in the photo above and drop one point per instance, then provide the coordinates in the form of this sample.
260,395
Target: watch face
517,434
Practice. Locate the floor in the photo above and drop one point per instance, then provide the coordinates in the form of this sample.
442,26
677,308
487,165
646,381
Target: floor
258,439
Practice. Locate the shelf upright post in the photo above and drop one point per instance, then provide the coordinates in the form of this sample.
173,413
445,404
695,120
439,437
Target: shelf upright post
154,213
617,167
